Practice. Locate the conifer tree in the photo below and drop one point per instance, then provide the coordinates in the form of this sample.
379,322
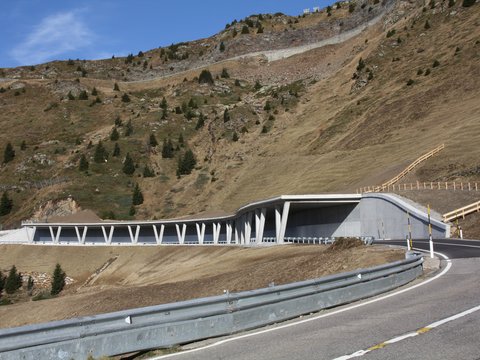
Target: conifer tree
2,284
200,122
114,135
226,116
13,281
116,150
235,136
137,197
23,145
83,164
6,205
94,91
8,154
205,77
129,128
128,165
167,149
186,163
153,140
58,280
83,95
222,47
164,104
115,87
148,172
180,140
125,98
100,154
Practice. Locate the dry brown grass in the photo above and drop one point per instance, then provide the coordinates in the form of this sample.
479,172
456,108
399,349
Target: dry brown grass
142,276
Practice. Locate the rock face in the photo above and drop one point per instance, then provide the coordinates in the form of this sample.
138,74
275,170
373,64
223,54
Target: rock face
56,209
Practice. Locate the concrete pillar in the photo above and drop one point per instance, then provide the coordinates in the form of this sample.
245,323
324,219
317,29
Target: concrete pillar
248,227
281,217
237,233
181,233
55,236
229,231
81,237
158,236
31,233
108,238
242,229
260,215
200,232
134,237
216,232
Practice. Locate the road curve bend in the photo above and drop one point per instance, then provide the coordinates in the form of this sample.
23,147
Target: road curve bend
433,318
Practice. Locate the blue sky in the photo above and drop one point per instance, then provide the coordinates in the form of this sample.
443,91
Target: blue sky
36,31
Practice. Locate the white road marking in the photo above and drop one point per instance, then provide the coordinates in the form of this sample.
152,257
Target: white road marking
221,342
409,335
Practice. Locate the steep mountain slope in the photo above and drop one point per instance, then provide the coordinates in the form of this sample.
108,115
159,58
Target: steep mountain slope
330,119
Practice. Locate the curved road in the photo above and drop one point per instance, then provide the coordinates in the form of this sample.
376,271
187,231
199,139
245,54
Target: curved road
433,318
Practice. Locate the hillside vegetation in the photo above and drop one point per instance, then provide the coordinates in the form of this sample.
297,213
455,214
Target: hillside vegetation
330,119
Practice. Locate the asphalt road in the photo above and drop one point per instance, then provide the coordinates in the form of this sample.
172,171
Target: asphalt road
367,326
453,248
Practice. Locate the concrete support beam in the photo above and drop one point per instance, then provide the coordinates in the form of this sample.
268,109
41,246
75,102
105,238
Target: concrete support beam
158,235
181,233
237,233
242,229
31,233
260,216
81,238
200,232
216,232
108,238
281,217
134,237
248,227
229,231
55,236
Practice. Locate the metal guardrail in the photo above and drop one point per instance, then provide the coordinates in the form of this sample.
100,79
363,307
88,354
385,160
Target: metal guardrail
169,324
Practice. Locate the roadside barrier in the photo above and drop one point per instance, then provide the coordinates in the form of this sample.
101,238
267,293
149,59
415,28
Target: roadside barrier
187,321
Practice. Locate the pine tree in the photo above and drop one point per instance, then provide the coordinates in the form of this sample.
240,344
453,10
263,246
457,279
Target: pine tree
167,149
180,140
116,150
224,74
137,197
128,165
226,116
125,98
118,121
13,281
148,172
94,91
8,154
200,122
235,136
115,87
129,128
114,135
83,95
2,284
23,145
245,29
205,77
153,140
100,154
30,284
83,164
164,104
70,96
6,205
222,47
186,163
58,280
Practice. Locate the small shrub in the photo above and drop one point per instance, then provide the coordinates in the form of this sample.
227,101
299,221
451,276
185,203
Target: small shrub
436,63
235,136
427,72
43,295
427,25
410,82
125,98
468,3
205,77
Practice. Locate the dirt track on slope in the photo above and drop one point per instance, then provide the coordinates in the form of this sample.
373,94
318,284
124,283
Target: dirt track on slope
143,276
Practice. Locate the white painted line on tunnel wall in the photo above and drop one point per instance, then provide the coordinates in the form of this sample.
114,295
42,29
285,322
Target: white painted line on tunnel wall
221,342
420,331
